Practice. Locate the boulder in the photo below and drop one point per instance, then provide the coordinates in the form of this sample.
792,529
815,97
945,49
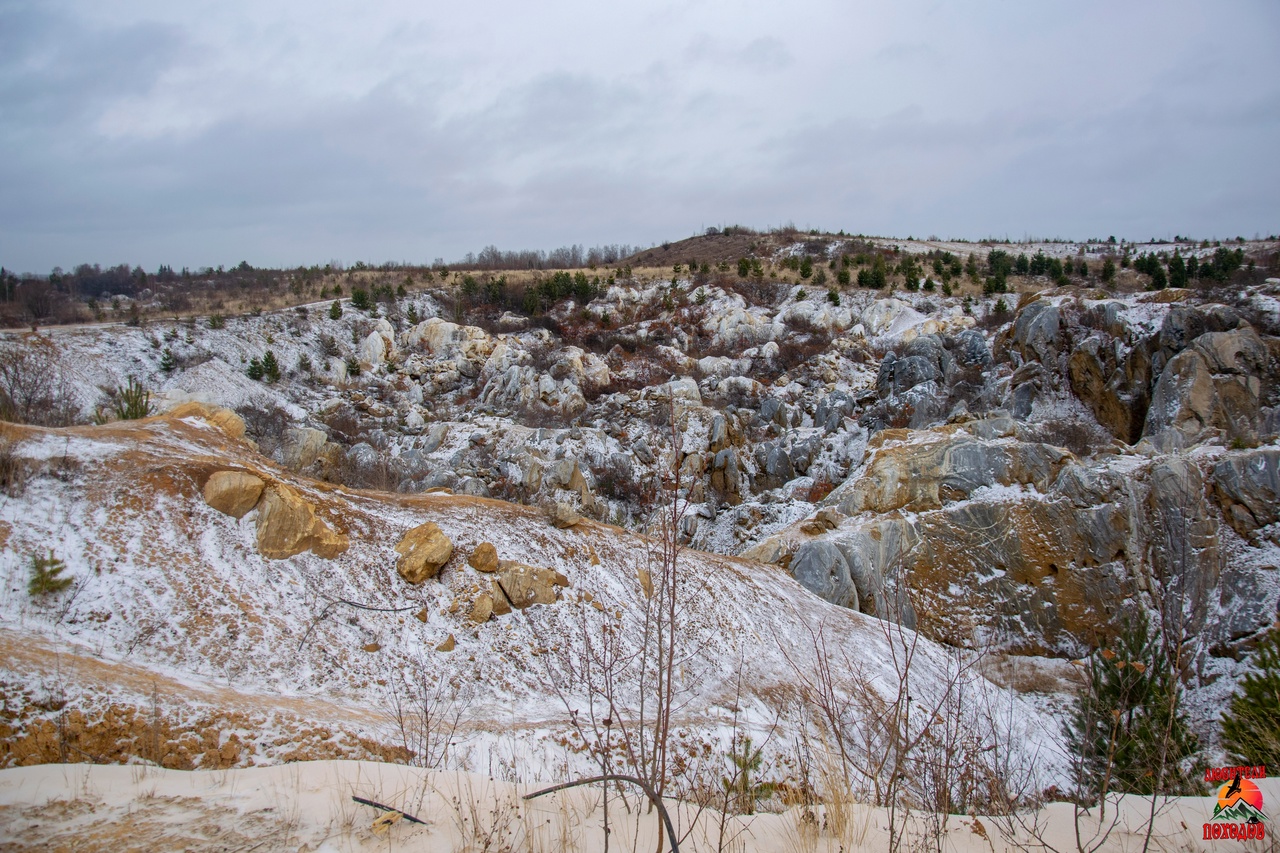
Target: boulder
890,317
373,351
971,349
522,586
301,447
821,568
563,516
233,493
900,374
288,525
423,551
484,558
481,608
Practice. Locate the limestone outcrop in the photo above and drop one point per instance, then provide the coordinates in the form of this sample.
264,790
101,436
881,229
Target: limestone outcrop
288,525
1247,485
920,471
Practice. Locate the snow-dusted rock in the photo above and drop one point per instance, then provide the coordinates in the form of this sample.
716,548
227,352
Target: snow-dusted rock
890,317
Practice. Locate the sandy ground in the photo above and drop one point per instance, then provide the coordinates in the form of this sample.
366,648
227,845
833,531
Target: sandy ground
308,806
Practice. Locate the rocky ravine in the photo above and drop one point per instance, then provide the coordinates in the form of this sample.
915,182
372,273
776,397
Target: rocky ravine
1018,481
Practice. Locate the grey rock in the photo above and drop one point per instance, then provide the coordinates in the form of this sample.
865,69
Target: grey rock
1036,332
821,568
301,447
642,452
773,410
473,486
436,434
1023,400
1247,485
971,349
778,465
444,478
563,516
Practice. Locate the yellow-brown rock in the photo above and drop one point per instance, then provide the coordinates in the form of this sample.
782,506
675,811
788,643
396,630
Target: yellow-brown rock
233,493
423,550
484,558
226,421
287,525
448,645
526,585
501,607
482,608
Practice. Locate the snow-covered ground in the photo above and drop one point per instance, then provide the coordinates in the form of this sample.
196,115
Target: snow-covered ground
313,806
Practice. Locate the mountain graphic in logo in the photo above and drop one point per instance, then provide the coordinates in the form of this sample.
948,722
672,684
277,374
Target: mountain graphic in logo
1241,812
1239,801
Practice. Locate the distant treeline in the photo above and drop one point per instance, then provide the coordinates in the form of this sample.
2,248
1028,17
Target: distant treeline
564,258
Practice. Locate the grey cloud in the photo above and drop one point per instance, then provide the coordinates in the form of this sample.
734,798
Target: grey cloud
426,155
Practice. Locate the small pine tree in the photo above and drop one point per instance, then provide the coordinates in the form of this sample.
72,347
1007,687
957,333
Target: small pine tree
744,787
217,321
1121,731
46,576
167,361
1001,308
270,367
255,369
833,296
360,299
335,310
412,314
1251,726
1108,270
132,402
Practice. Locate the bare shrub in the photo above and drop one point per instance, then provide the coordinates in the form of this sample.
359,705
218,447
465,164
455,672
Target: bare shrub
13,469
345,424
427,713
266,425
359,471
33,385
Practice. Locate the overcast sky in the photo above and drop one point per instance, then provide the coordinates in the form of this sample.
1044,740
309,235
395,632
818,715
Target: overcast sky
204,133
